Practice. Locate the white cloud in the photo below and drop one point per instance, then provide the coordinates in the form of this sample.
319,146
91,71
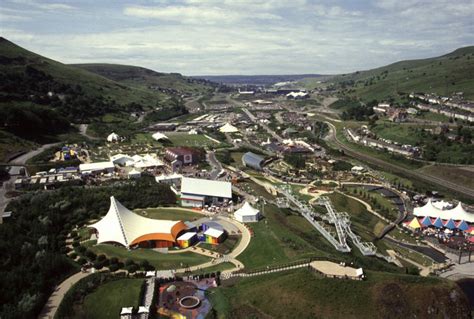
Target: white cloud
247,36
193,14
49,6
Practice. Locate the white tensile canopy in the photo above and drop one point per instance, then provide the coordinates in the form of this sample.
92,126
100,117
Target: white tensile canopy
247,213
159,136
113,137
456,213
122,226
247,210
228,128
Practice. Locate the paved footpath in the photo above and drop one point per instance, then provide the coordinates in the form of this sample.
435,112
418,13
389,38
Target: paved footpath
51,306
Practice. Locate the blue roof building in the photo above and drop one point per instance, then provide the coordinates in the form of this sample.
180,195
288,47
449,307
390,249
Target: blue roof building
252,160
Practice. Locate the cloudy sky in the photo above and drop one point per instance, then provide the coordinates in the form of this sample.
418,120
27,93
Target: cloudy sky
197,37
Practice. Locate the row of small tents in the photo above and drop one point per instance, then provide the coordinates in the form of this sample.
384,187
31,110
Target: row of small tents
424,222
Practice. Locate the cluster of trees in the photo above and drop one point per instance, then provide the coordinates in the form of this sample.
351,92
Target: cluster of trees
33,240
296,160
32,121
175,108
358,112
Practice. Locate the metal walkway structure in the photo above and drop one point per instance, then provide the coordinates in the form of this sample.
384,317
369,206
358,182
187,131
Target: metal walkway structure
341,222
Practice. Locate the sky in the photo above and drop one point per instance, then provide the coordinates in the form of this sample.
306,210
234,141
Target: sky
217,37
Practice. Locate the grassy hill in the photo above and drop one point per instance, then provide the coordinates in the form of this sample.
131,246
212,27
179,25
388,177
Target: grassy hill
147,79
40,97
14,60
443,75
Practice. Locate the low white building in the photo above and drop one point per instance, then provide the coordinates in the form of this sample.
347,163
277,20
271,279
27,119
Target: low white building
197,192
247,214
98,167
134,173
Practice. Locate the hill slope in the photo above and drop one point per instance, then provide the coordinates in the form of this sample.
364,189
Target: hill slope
20,65
147,79
453,72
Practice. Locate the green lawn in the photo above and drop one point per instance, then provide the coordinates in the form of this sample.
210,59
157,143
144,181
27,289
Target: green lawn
169,213
185,139
159,260
108,299
379,203
454,174
396,132
305,294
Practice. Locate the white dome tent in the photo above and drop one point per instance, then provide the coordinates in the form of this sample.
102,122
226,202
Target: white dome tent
113,137
247,214
228,128
456,213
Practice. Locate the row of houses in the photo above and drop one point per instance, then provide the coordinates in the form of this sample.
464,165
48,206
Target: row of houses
452,102
449,112
405,150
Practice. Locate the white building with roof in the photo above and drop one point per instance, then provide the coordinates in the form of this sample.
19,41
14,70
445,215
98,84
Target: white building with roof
430,209
126,228
197,192
247,214
98,167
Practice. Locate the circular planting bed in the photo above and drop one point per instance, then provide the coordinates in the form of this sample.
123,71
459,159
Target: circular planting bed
189,302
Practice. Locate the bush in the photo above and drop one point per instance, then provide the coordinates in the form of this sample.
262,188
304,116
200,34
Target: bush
81,261
129,262
101,257
114,267
73,255
132,268
81,249
90,254
114,260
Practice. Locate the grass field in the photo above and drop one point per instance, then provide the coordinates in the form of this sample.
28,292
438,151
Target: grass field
107,301
398,133
386,207
198,140
304,294
169,213
159,260
454,174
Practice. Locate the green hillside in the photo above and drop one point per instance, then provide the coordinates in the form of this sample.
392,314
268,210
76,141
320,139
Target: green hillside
148,79
16,61
444,75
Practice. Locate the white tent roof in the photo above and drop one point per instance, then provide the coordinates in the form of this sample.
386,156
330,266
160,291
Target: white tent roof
126,311
159,136
134,172
120,158
112,137
246,210
213,232
168,177
186,236
456,213
122,226
228,128
205,187
98,166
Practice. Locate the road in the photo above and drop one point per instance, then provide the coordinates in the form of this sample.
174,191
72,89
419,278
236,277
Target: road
466,191
22,159
83,131
51,306
215,164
